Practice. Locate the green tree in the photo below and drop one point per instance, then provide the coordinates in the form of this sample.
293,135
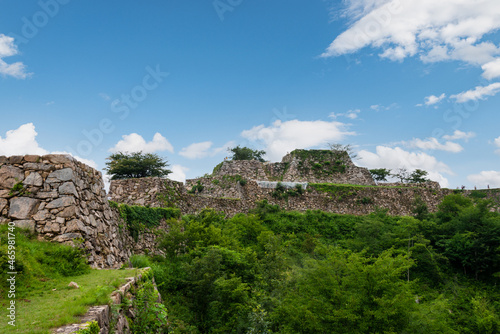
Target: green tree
380,174
418,176
246,153
402,174
135,165
348,149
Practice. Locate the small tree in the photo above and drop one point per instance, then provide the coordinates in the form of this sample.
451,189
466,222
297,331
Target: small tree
344,148
134,165
418,176
245,153
380,174
402,174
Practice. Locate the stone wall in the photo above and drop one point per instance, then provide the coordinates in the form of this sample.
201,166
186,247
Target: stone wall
62,199
345,199
317,166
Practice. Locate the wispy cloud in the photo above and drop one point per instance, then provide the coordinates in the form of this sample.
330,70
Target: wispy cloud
433,99
8,49
478,93
203,150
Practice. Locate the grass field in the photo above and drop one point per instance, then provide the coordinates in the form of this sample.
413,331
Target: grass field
46,308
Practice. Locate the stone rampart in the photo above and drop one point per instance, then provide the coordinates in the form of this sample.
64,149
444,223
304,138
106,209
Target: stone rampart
63,200
345,199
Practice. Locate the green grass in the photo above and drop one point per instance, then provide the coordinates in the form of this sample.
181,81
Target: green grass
45,309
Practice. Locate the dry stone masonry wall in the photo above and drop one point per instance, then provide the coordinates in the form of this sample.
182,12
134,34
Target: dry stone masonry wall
62,199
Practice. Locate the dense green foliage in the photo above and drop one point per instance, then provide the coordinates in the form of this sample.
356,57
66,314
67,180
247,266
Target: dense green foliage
135,165
275,271
321,162
139,218
380,174
246,153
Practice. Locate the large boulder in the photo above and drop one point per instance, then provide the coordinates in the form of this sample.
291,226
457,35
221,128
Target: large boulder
23,207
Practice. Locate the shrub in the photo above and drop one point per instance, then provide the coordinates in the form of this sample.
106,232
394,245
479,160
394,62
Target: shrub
135,165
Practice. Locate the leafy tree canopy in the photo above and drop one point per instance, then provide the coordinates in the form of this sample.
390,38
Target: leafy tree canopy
380,174
245,153
135,165
418,176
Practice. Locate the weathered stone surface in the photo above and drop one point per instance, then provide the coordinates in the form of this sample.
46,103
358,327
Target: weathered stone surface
3,159
32,158
58,158
16,159
68,188
67,237
34,179
4,193
61,175
41,215
75,226
3,204
10,175
68,212
52,227
26,224
38,166
61,202
46,194
23,207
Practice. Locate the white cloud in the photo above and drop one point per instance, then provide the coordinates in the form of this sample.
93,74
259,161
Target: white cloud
394,158
491,69
21,141
486,178
203,150
7,49
282,137
457,135
351,114
178,173
378,107
434,144
434,30
433,99
478,93
135,143
496,142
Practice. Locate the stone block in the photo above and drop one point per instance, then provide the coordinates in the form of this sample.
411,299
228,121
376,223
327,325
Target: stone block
9,176
16,159
68,212
67,237
26,224
68,188
47,194
58,158
52,227
34,179
23,207
32,158
3,204
41,215
61,175
75,226
38,166
61,202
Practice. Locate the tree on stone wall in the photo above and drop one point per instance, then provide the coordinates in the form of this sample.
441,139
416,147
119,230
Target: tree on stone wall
135,165
245,153
348,149
380,174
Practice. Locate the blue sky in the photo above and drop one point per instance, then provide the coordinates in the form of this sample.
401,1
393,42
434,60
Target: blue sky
409,83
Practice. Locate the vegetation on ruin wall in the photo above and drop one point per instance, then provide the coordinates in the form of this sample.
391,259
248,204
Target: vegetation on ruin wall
276,271
44,270
141,218
321,162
